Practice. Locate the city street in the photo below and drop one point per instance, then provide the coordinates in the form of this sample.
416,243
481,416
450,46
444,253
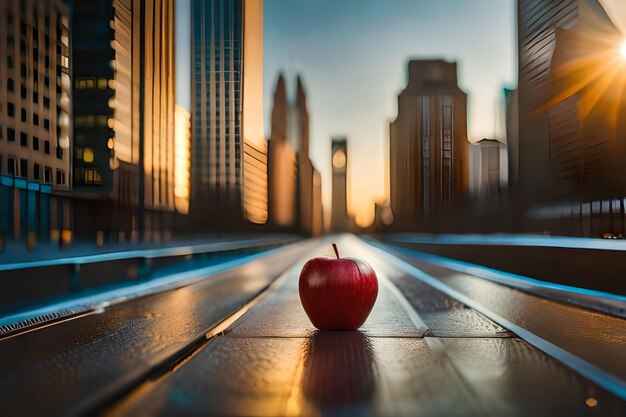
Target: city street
237,342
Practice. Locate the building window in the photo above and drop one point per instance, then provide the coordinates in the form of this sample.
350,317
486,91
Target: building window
23,168
36,172
59,152
91,176
47,174
23,114
84,83
23,92
88,155
46,124
10,109
102,83
23,139
10,85
46,102
46,147
35,143
11,134
35,119
60,177
10,61
11,166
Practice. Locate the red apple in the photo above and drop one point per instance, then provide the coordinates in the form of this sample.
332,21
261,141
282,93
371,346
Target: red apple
337,293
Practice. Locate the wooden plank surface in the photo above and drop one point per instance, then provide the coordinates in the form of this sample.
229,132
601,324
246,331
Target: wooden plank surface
595,337
72,366
252,369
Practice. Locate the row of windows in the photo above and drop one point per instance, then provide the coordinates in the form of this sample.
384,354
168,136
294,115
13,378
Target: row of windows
36,142
24,116
39,173
87,176
91,120
35,97
91,83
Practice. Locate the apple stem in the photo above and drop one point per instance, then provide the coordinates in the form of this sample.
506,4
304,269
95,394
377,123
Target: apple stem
336,250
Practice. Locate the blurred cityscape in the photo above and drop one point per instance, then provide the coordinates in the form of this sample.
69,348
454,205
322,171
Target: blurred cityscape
178,176
95,149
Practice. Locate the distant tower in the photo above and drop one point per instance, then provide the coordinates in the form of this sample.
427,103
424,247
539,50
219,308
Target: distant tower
339,221
428,144
294,183
282,163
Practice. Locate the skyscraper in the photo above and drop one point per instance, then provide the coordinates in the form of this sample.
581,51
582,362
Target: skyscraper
537,24
293,180
428,144
35,96
124,95
229,166
35,119
339,219
283,163
572,138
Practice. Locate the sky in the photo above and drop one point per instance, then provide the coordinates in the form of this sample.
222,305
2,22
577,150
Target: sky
353,55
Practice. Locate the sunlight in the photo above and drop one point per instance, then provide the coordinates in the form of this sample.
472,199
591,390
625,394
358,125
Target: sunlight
589,62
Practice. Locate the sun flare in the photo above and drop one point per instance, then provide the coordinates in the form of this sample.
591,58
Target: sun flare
622,50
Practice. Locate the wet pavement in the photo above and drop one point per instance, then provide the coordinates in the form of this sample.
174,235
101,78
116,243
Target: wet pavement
423,351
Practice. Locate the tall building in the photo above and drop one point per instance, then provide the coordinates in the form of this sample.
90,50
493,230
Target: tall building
307,173
35,94
537,24
293,180
229,167
572,138
487,168
283,164
339,218
428,144
35,119
124,104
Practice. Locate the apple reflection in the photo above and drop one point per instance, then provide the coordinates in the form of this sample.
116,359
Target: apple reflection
338,370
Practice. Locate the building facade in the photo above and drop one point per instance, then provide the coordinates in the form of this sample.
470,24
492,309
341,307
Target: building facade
538,21
229,167
571,137
35,120
283,164
487,168
293,180
428,164
35,96
124,93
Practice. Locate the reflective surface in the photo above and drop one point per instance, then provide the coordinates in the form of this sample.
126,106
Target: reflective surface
272,362
75,365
